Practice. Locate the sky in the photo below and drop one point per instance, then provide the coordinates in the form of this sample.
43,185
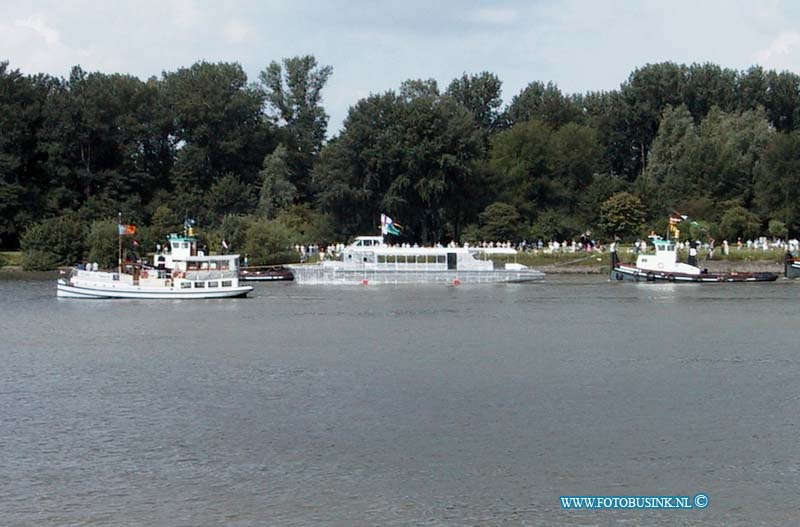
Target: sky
373,46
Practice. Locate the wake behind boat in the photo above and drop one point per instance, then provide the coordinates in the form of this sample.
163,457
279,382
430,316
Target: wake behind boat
663,266
177,273
368,260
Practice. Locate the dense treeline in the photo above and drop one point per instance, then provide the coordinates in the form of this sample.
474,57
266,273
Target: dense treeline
251,157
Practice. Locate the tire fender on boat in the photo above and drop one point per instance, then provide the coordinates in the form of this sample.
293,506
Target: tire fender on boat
619,276
651,277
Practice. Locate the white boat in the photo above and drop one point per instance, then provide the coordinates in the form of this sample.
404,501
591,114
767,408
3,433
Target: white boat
368,260
178,273
663,266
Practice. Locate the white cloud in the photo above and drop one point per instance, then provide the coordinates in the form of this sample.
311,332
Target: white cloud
237,31
35,45
37,25
493,16
782,53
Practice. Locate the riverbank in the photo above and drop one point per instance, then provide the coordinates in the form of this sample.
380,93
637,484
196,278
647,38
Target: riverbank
713,266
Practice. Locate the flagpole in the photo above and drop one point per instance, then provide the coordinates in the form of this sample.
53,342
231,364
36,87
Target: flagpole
119,244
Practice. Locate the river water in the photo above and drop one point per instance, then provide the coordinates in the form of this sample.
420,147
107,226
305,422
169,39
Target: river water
470,405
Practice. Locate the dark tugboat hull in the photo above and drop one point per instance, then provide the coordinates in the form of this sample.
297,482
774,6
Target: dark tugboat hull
266,274
632,273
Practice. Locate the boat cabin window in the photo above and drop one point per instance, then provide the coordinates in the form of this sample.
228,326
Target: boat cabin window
186,285
199,285
213,284
226,283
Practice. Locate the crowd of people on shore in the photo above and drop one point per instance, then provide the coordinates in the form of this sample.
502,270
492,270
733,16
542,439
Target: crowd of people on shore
584,244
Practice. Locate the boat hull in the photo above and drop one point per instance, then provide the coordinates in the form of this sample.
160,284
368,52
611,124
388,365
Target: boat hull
67,290
632,273
792,269
319,275
266,275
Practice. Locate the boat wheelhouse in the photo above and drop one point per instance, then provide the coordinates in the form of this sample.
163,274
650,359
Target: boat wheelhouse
179,272
369,260
664,266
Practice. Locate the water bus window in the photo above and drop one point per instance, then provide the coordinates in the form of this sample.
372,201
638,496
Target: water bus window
226,283
186,285
381,258
199,285
213,284
440,258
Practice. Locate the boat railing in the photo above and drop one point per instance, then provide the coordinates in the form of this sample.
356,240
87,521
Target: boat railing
96,276
210,275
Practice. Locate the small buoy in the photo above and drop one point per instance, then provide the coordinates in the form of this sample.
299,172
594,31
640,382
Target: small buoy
364,282
456,282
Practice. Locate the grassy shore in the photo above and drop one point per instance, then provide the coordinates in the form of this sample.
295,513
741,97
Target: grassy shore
600,262
11,258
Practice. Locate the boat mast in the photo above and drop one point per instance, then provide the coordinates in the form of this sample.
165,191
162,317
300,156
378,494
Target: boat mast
119,243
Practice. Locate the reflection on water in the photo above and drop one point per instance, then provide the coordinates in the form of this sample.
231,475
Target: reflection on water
400,405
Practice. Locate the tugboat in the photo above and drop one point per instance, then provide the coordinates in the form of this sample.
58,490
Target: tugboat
791,266
663,266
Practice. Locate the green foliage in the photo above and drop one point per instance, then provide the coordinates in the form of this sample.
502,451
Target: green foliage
277,191
500,221
53,242
234,231
201,142
553,225
777,229
293,91
776,188
269,242
229,195
622,215
480,94
307,226
545,103
738,221
103,243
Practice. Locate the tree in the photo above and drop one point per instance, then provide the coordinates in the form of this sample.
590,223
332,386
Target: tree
52,242
520,156
411,157
229,195
293,92
543,102
218,125
777,179
277,191
622,215
103,243
500,221
480,94
268,242
738,221
777,229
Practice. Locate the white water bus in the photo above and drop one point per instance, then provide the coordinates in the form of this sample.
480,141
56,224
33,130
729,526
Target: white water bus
368,260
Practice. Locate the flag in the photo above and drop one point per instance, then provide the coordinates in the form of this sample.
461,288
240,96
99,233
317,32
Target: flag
224,243
126,229
388,226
